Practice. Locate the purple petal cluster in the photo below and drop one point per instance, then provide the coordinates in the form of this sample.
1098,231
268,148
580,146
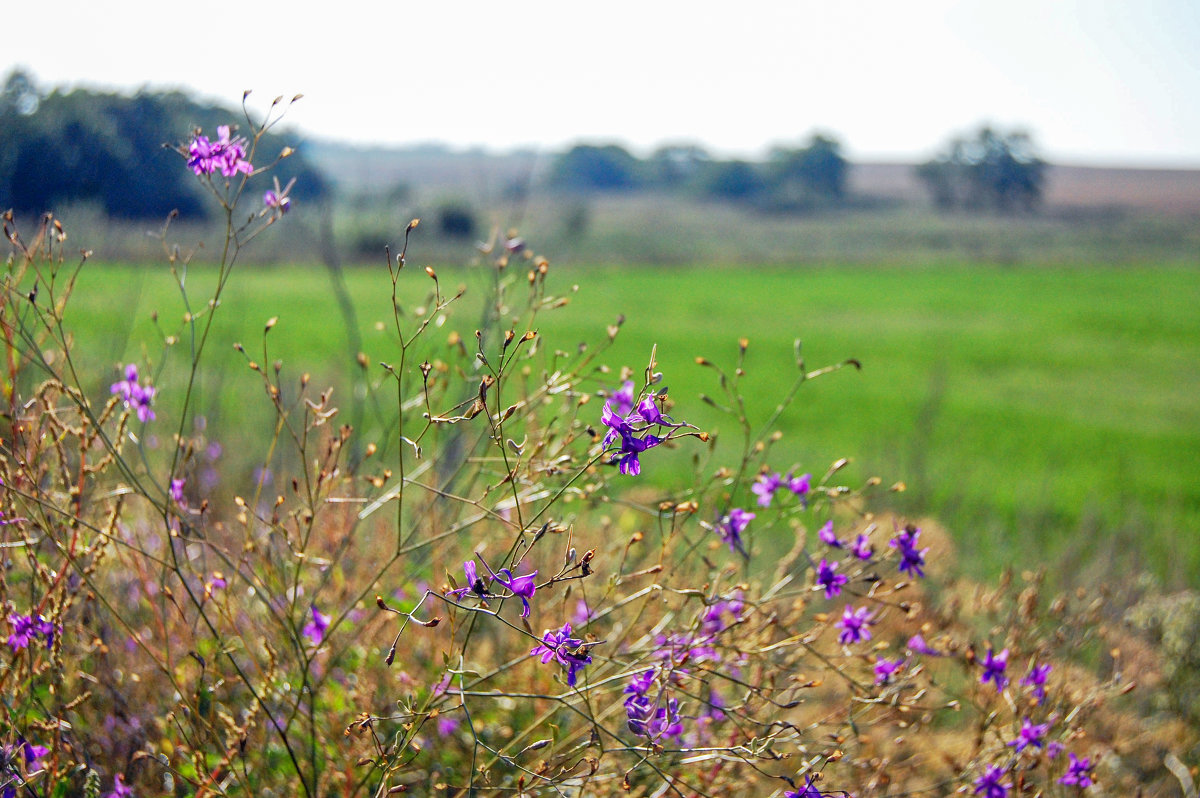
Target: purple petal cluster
991,784
854,625
731,526
27,628
568,651
645,716
135,395
10,757
994,666
912,559
765,486
1036,678
829,579
1079,772
827,536
225,154
1031,735
522,587
630,427
886,670
120,788
316,627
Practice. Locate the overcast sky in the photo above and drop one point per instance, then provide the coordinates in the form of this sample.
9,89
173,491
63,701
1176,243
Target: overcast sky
1095,81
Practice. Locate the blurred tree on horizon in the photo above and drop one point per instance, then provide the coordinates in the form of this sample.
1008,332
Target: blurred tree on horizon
992,170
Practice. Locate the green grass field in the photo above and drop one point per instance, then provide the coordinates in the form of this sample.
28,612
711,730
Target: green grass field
1048,410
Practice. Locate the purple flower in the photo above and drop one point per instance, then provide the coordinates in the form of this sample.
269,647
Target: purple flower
990,784
135,395
1031,734
226,154
885,669
644,716
568,651
800,485
862,548
917,645
447,725
854,625
27,628
632,428
474,583
120,788
315,629
1036,679
827,537
828,578
1079,772
765,486
176,492
10,777
1053,749
22,631
280,203
621,401
521,586
993,669
912,559
731,527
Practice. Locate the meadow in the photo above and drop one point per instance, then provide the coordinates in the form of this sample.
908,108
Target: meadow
1047,408
529,527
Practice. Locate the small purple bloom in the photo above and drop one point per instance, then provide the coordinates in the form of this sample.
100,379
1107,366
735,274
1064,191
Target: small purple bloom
854,625
917,645
765,486
447,725
1079,772
277,202
568,651
1031,734
828,578
226,154
315,629
474,583
800,485
886,669
827,537
731,527
621,401
22,631
990,784
862,548
912,559
522,587
176,492
631,447
120,788
993,669
1036,679
136,396
1053,749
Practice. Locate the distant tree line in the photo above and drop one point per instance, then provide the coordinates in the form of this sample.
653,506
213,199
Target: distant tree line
989,171
809,176
108,149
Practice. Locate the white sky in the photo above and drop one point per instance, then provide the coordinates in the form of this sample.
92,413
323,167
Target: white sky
1096,81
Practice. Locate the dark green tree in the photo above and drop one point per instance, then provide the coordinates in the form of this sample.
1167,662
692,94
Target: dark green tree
814,174
991,170
734,181
588,167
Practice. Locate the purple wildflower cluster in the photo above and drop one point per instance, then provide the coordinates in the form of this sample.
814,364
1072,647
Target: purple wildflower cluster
731,526
632,427
855,625
522,587
1036,678
994,666
317,626
136,396
569,652
225,154
1079,772
912,559
647,715
991,784
768,483
27,628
